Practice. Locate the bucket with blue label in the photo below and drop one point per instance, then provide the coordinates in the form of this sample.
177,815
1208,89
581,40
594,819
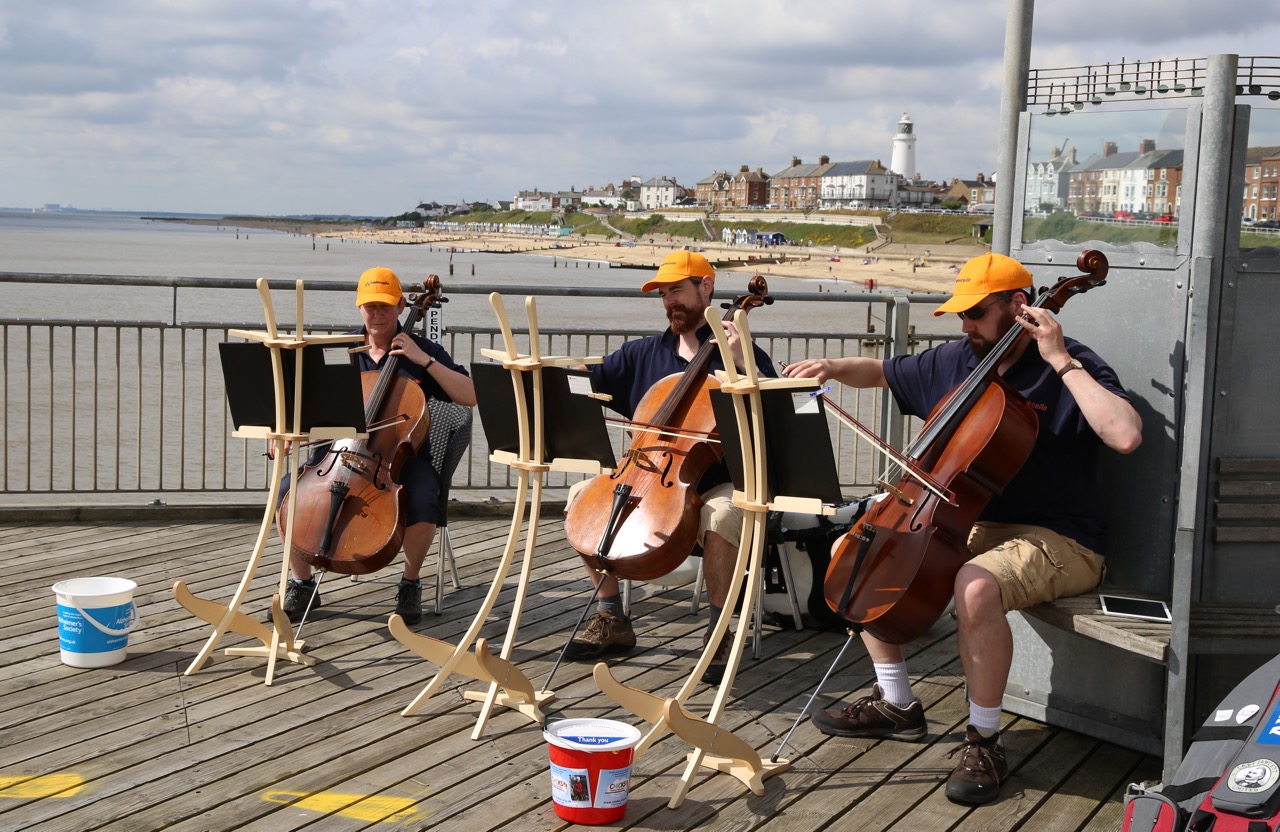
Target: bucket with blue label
95,617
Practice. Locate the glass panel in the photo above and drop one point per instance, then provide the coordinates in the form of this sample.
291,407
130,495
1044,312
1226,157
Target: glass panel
1260,217
1112,176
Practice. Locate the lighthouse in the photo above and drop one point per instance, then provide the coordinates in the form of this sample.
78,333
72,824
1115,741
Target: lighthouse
904,149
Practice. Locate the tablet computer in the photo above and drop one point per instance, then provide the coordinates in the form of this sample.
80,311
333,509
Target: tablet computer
1145,608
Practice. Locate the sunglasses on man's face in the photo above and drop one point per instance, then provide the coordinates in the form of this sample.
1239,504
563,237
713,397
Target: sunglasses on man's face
978,312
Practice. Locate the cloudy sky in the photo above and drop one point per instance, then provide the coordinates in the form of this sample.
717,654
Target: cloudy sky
371,106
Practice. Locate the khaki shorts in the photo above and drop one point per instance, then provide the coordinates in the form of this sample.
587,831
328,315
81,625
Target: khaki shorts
719,514
1032,564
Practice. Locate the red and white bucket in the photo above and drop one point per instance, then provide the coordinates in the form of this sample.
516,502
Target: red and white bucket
590,768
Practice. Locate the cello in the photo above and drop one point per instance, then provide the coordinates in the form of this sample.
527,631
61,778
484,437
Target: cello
640,521
893,573
350,512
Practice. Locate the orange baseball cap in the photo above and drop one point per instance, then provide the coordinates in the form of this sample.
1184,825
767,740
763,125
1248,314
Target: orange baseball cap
680,265
983,275
379,285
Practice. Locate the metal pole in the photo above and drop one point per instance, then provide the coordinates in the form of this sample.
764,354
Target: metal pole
1013,100
1208,234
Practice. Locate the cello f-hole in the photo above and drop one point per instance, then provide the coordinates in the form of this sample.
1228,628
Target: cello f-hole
665,477
333,460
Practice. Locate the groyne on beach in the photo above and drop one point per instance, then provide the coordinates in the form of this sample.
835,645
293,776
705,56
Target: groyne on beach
919,268
913,267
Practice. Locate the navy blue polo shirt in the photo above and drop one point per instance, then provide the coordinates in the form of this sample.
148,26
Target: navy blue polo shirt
628,372
1059,487
631,370
431,389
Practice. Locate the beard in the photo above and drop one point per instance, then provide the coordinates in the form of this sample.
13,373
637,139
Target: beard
979,346
982,347
683,319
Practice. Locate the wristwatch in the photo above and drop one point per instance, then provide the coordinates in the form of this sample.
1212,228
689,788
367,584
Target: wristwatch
1073,364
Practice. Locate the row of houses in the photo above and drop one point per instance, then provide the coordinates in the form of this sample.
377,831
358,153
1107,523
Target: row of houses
1147,180
823,186
1262,184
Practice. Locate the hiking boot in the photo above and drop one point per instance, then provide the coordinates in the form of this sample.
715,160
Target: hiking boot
873,716
409,601
296,596
605,633
982,768
714,673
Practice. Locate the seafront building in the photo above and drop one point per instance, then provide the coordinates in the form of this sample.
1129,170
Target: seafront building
1145,180
1261,183
659,192
1047,180
979,191
861,184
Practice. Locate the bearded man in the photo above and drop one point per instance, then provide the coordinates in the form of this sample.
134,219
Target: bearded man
685,282
1040,539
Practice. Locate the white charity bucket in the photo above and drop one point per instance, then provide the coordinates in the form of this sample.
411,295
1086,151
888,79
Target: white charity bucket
590,768
95,617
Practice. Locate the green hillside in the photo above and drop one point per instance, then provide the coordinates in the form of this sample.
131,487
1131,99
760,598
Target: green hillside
903,228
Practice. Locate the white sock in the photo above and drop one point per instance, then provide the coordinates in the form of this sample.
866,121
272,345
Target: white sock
894,684
985,720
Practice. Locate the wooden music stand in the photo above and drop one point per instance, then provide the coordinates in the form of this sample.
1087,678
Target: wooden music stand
278,640
530,463
716,747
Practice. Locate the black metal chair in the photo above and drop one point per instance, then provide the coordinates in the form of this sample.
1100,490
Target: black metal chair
449,437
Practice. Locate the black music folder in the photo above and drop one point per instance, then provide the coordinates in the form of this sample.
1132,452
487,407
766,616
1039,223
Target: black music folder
798,450
574,421
332,396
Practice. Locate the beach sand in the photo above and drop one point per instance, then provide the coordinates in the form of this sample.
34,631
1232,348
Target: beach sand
919,268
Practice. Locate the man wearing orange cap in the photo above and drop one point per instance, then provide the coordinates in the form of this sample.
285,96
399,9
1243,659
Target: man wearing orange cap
685,282
1037,541
380,300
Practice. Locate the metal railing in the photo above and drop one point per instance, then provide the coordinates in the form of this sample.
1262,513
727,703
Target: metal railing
139,406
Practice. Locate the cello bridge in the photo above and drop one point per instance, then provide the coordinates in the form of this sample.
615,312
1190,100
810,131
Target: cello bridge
895,492
354,462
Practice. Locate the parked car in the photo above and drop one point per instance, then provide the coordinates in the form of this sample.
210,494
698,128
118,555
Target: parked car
1164,218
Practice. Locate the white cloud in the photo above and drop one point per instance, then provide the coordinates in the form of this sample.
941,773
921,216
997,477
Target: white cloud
371,106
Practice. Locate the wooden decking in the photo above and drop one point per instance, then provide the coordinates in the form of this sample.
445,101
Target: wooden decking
139,746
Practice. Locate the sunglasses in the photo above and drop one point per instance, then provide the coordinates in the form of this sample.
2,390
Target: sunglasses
978,312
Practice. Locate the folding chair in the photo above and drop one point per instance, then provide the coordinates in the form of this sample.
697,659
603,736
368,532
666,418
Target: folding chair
449,436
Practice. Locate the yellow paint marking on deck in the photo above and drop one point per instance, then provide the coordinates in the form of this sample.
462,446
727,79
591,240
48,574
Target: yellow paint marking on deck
354,806
63,784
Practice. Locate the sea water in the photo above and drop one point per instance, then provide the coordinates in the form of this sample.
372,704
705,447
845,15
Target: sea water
105,245
132,245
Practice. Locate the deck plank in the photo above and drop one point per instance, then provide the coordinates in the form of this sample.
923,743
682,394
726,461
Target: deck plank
325,748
